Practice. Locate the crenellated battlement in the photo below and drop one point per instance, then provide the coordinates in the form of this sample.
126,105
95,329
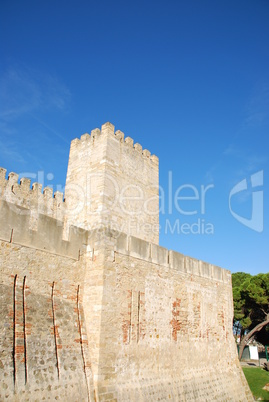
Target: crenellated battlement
128,165
21,193
109,129
50,236
135,248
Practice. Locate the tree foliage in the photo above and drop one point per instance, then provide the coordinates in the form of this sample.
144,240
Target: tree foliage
251,304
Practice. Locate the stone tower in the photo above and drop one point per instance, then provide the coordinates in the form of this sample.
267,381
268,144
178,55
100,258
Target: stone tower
114,183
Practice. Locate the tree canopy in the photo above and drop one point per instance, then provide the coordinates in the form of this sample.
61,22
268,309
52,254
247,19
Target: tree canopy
251,304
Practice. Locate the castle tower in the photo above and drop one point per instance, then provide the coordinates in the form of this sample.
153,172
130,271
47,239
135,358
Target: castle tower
113,183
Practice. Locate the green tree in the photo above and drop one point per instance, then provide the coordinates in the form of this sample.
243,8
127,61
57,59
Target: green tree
251,304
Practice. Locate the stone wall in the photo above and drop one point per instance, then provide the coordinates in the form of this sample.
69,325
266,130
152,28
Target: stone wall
32,198
102,315
166,326
123,320
43,336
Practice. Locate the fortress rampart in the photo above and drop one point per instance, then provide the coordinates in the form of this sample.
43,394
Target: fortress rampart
49,236
32,197
89,313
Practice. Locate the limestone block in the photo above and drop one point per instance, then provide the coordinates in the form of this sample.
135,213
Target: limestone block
107,128
176,261
138,147
217,273
205,269
119,135
2,173
139,248
95,133
146,153
85,137
129,141
159,255
192,266
13,178
37,188
121,243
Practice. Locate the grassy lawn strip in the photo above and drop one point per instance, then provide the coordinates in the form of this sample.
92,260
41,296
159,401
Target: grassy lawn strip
257,378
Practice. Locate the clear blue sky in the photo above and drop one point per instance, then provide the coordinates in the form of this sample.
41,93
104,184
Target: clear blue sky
189,80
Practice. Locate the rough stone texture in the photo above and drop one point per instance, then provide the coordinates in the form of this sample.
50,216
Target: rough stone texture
104,314
42,323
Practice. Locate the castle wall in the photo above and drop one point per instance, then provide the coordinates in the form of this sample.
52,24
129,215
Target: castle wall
166,327
118,319
42,326
111,182
44,355
32,198
90,313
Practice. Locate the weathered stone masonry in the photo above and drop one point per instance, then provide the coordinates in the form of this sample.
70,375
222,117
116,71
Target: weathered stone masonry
92,308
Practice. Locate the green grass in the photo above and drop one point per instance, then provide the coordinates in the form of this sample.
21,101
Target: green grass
257,378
